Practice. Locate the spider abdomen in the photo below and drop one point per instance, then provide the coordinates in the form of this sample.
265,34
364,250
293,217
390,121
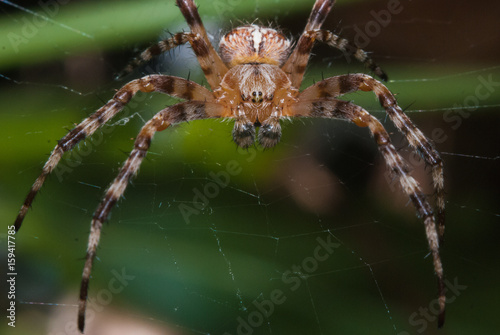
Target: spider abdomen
254,44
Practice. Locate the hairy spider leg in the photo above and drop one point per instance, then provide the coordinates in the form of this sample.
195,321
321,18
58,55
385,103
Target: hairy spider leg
318,15
209,59
350,49
318,101
339,85
181,112
210,62
156,50
200,48
296,64
173,86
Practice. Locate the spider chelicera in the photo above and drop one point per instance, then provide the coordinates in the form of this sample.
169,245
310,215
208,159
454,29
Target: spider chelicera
255,80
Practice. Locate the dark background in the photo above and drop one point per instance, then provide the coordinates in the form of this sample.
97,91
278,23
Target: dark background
324,179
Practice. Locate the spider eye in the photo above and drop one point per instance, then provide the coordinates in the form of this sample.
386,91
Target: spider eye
258,99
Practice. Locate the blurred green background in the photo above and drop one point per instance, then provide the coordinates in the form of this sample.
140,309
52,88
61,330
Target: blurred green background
324,180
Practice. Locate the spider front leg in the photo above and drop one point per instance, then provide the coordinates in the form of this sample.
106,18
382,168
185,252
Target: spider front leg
350,49
212,65
338,109
212,69
177,87
156,50
296,64
185,111
209,59
339,85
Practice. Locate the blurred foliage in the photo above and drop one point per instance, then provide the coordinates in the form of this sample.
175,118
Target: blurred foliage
201,276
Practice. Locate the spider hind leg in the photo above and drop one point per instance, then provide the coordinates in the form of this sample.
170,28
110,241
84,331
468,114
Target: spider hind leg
326,107
173,86
181,112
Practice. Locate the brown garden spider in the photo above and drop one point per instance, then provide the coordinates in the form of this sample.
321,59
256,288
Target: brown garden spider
255,80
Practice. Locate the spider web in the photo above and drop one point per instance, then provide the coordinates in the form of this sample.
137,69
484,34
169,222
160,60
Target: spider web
310,237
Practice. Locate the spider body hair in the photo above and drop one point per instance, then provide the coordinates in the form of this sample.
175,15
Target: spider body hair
262,93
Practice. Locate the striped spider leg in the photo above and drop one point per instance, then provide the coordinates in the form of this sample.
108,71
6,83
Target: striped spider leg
200,105
255,80
181,112
173,86
319,100
210,62
296,64
176,87
333,87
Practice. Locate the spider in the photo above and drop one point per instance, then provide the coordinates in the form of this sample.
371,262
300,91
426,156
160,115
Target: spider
255,79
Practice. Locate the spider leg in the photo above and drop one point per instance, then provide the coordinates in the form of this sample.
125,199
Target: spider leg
333,108
296,64
296,69
350,49
211,68
184,111
177,87
339,85
318,15
156,50
209,59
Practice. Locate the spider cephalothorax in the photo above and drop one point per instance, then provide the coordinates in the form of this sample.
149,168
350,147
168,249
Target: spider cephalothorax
255,80
259,93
